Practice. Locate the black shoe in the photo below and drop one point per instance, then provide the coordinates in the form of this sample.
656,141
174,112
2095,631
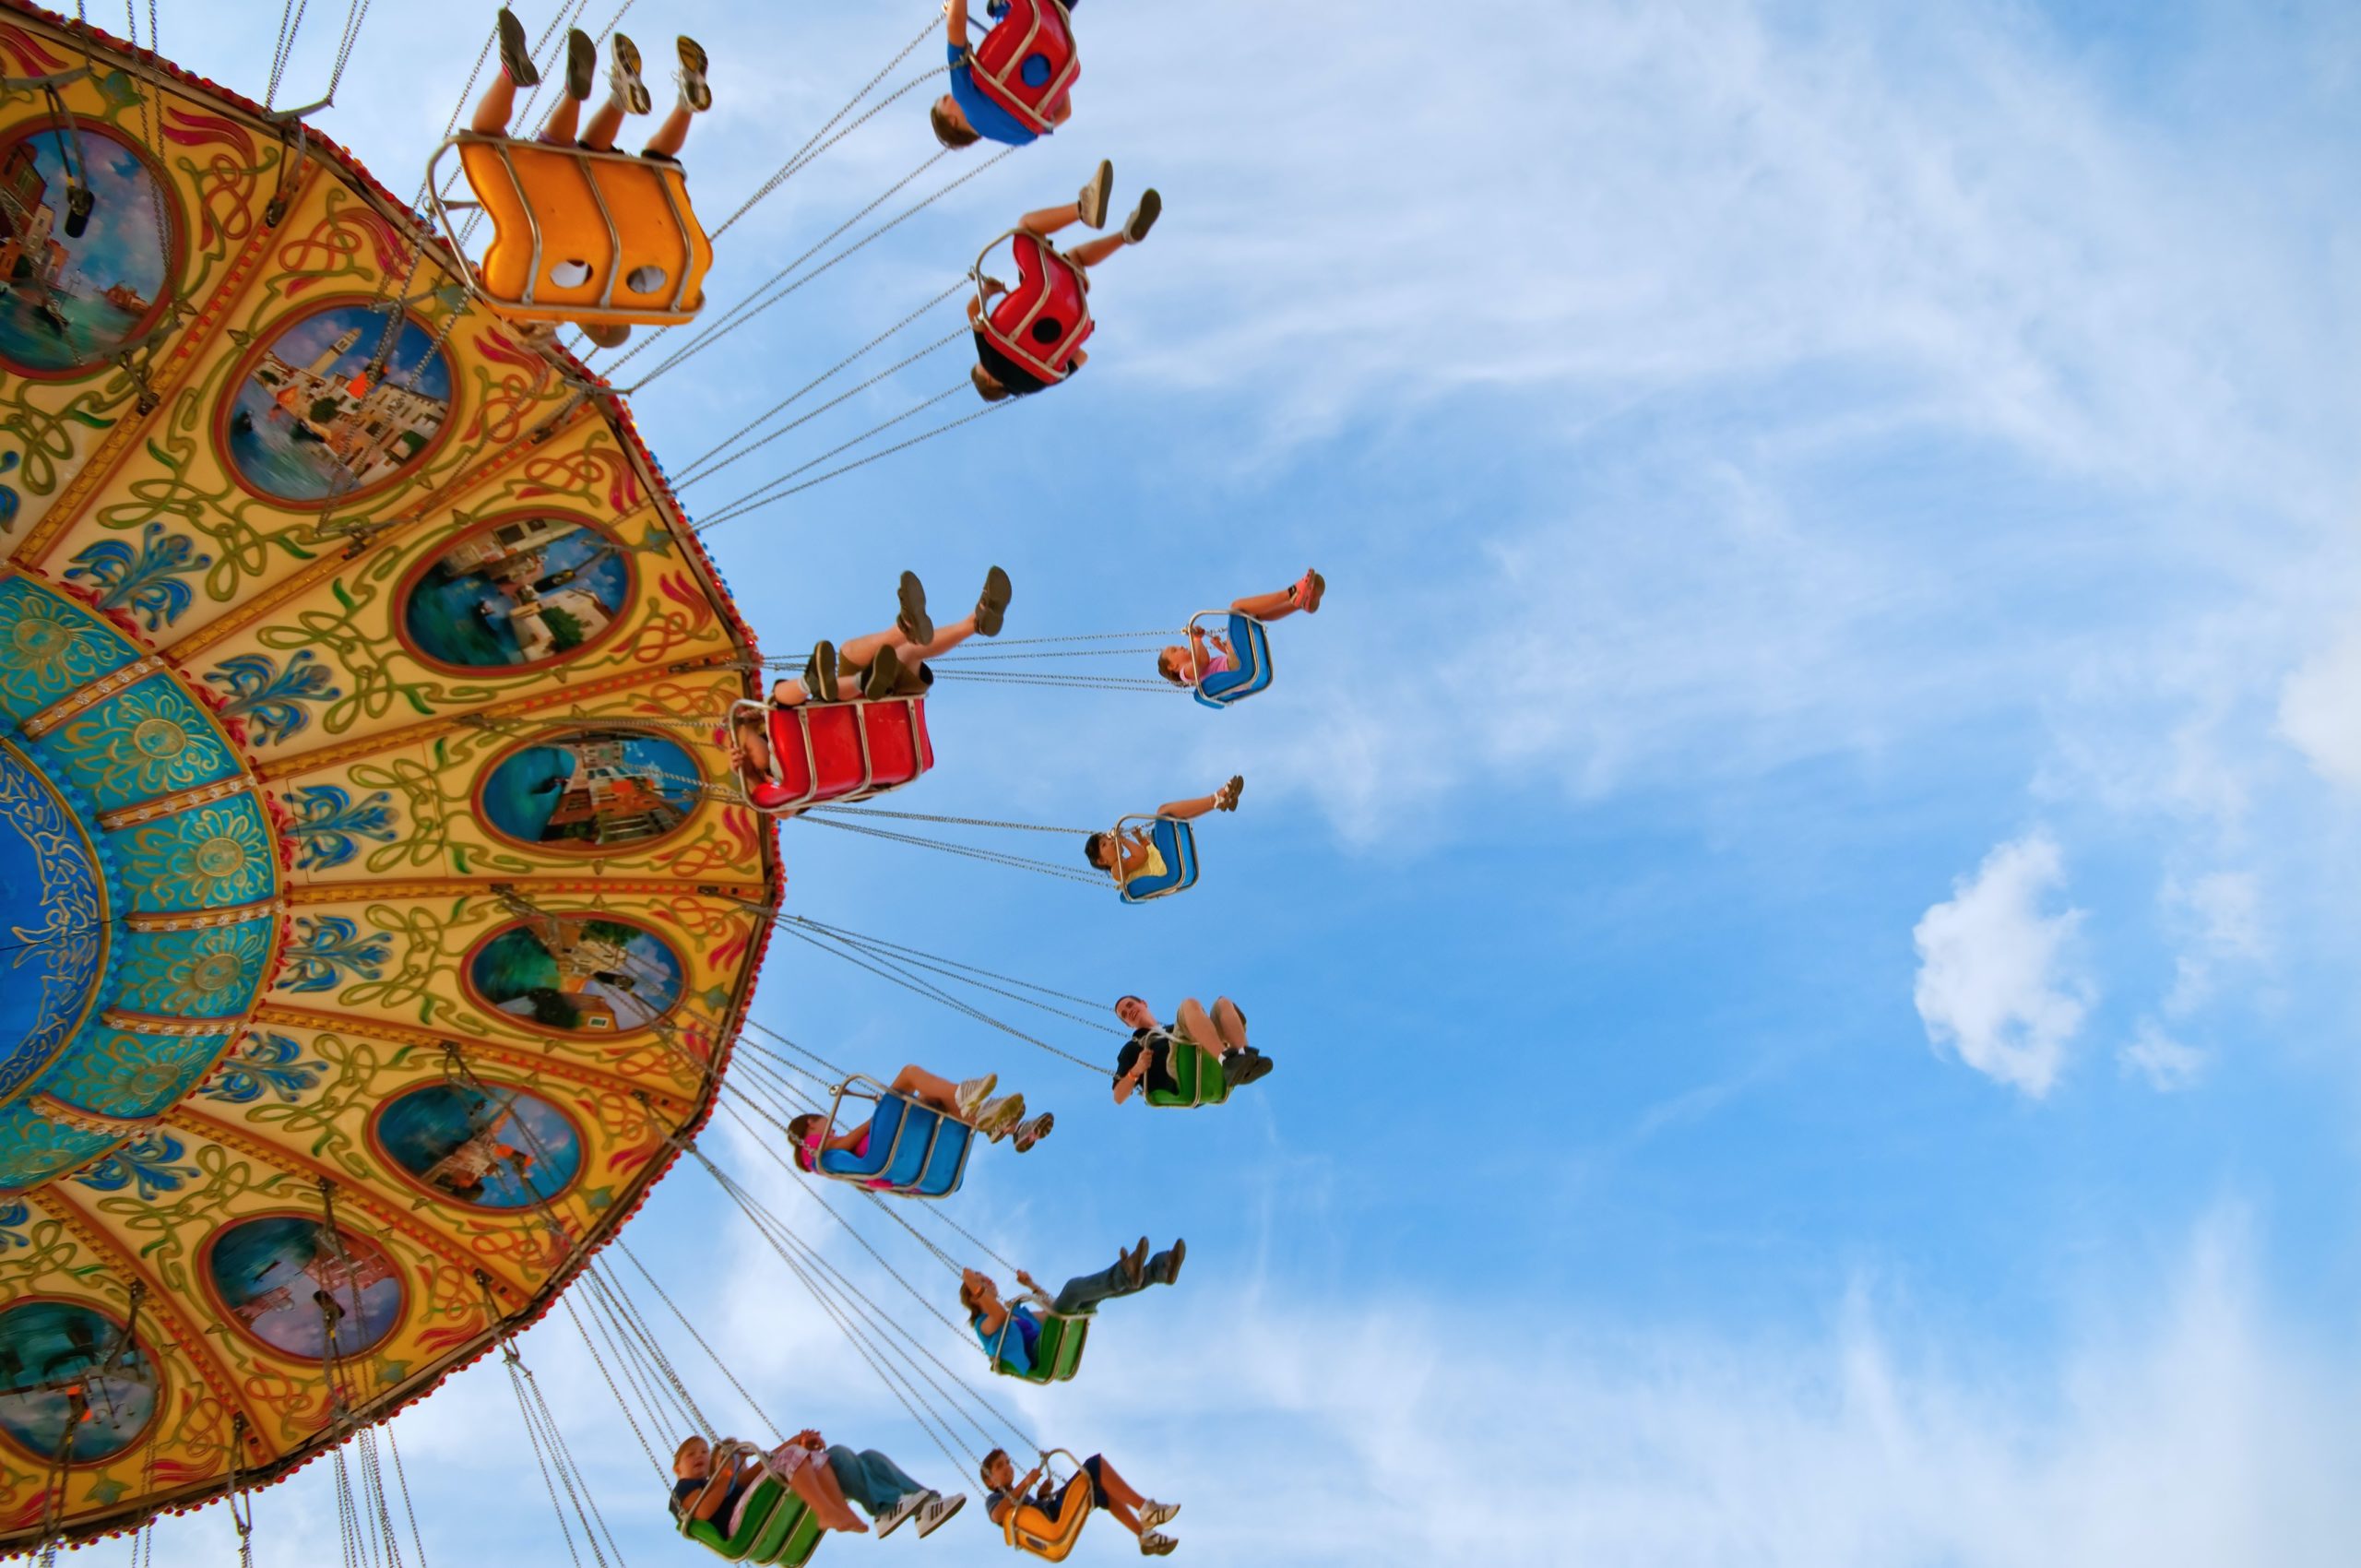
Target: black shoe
820,674
884,673
516,53
913,621
581,64
1243,1067
991,605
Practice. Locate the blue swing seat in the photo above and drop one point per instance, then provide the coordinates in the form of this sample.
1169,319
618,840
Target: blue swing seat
1251,645
915,1151
1177,846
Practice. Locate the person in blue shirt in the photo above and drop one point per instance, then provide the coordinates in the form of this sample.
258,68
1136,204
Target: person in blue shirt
1131,1273
968,113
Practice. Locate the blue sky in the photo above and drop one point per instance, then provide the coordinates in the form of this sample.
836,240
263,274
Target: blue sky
1803,886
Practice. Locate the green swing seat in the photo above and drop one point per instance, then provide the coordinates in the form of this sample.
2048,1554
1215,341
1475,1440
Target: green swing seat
1197,1071
775,1528
1057,1354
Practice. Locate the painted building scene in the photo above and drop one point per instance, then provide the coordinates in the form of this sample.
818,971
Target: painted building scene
283,1275
65,1366
577,976
592,789
331,409
522,591
68,299
491,1146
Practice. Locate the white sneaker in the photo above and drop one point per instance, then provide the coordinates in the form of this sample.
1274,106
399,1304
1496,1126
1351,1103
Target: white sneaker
1153,1545
1153,1513
999,1118
972,1094
938,1510
891,1520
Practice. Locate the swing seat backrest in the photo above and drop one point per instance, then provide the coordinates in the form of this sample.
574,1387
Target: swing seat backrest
1030,1529
557,211
776,1527
1177,846
1057,1354
915,1151
847,751
1252,644
1036,34
1198,1073
1046,316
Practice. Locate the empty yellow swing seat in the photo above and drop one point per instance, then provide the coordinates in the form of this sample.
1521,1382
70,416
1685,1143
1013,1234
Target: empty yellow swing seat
597,238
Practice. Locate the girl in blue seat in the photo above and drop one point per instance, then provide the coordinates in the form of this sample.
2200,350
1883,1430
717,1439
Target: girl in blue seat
970,1102
1129,855
1174,664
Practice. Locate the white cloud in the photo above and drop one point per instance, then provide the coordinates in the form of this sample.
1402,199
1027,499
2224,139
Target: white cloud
1995,979
2165,1063
2222,912
2319,711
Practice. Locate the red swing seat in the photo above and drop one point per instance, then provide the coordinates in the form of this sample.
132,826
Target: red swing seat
840,751
1031,29
1041,321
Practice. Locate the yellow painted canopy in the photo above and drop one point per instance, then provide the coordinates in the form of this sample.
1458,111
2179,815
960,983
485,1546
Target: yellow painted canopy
372,923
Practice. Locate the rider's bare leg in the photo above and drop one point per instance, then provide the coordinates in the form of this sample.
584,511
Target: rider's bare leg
565,115
789,694
862,651
1231,1022
1050,220
498,102
1090,253
604,123
1189,811
1267,606
666,143
815,1483
934,1093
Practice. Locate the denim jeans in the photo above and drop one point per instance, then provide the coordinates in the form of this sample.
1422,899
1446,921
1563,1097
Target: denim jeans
1085,1291
872,1481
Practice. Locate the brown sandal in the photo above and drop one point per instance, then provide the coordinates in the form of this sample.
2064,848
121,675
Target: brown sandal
1225,797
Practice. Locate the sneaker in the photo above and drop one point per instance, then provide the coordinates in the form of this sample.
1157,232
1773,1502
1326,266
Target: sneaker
516,52
1033,1132
695,97
819,675
629,92
938,1511
1154,1545
581,64
883,674
1153,1513
909,1502
1254,1067
997,1119
991,606
1225,798
1143,216
1096,194
912,620
972,1094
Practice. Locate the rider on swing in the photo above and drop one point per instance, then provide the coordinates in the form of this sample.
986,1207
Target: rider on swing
1128,854
966,114
996,374
626,94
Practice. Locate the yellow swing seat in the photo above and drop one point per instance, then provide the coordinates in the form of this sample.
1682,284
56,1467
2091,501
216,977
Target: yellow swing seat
595,238
1030,1529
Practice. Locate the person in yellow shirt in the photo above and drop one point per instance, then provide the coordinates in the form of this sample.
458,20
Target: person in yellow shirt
1130,854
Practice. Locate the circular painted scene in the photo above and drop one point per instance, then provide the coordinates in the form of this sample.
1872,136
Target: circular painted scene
590,789
69,300
491,1146
64,1364
522,591
319,416
273,1272
576,975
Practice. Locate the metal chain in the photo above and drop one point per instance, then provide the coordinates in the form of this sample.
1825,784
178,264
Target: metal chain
952,821
990,857
987,410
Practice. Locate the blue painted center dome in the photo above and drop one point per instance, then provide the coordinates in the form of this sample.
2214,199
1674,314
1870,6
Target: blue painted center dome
52,920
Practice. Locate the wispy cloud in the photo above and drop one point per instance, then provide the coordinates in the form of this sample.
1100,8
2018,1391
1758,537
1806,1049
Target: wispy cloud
1997,981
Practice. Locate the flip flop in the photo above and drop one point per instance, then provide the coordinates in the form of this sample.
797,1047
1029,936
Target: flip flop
516,52
1096,194
991,608
913,622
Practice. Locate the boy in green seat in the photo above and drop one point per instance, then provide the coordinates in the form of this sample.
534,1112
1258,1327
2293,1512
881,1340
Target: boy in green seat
1148,1057
1131,1273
